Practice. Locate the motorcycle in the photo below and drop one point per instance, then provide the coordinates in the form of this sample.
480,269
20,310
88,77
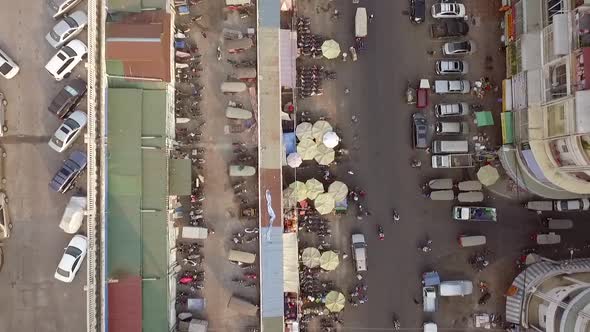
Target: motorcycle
380,232
395,215
416,163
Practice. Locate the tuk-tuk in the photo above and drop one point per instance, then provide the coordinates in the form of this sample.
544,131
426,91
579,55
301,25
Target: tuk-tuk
440,184
241,170
442,195
233,87
422,93
360,28
241,257
196,233
417,11
73,216
471,240
559,223
470,186
238,113
470,197
247,74
539,205
547,238
242,306
238,45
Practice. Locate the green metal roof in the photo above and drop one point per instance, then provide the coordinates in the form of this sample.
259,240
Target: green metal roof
137,196
134,5
180,176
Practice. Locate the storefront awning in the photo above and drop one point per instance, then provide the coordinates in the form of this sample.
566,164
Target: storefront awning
290,263
484,118
581,111
506,95
507,127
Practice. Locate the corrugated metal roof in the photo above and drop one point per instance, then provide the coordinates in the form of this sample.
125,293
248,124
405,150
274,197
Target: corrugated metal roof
124,305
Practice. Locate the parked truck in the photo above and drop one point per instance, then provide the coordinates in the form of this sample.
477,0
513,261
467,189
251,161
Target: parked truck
474,213
452,161
429,298
449,29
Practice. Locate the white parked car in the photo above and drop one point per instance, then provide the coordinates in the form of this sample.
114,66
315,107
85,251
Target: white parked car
8,68
448,10
67,28
451,86
456,288
69,130
72,259
62,63
451,67
60,7
359,252
459,47
454,109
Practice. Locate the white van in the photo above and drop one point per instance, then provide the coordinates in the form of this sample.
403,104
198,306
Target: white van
450,146
456,288
359,252
451,128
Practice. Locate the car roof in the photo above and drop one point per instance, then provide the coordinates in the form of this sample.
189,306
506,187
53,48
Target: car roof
356,238
78,46
79,158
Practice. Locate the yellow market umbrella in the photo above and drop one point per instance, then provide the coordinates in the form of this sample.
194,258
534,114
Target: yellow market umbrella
324,203
338,190
335,301
314,188
324,155
288,197
330,49
319,129
310,257
488,175
329,260
303,130
307,149
299,191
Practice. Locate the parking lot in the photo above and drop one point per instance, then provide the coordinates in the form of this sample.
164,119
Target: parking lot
30,298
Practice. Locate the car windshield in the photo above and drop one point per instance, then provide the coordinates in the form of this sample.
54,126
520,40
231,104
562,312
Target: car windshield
73,251
71,22
57,141
54,35
71,123
63,273
71,90
462,46
5,68
67,50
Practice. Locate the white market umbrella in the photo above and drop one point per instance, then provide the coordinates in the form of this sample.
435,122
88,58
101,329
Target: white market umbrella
335,301
329,260
299,191
330,49
319,129
310,257
331,139
324,203
294,160
288,197
338,190
324,155
303,130
314,188
488,175
307,149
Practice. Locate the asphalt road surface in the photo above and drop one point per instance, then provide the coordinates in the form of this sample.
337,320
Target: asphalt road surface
30,298
397,52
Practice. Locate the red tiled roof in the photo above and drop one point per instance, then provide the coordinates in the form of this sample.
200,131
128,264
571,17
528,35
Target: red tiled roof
125,305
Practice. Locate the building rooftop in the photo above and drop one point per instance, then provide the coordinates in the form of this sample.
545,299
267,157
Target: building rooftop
134,5
138,46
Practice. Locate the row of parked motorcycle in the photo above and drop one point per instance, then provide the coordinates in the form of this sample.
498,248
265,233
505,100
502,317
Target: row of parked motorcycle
308,43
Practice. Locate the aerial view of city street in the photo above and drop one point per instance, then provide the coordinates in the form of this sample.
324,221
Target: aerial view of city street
294,165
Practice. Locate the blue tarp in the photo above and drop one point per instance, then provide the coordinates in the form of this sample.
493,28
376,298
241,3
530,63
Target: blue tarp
289,140
431,278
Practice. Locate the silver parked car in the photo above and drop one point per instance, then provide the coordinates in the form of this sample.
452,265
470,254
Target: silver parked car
60,7
67,28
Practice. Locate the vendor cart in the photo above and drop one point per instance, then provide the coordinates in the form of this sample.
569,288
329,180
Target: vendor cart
422,93
360,28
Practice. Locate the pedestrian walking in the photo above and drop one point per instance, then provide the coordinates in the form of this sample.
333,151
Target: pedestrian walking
416,301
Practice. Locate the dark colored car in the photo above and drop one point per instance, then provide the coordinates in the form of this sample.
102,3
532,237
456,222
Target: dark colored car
420,131
417,11
64,178
449,28
68,98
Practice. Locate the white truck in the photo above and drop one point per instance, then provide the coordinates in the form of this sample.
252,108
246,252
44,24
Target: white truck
452,160
429,298
359,252
451,86
474,213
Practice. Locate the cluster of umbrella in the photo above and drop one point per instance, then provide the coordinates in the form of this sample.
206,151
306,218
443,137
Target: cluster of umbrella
328,260
488,175
330,49
316,142
324,202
